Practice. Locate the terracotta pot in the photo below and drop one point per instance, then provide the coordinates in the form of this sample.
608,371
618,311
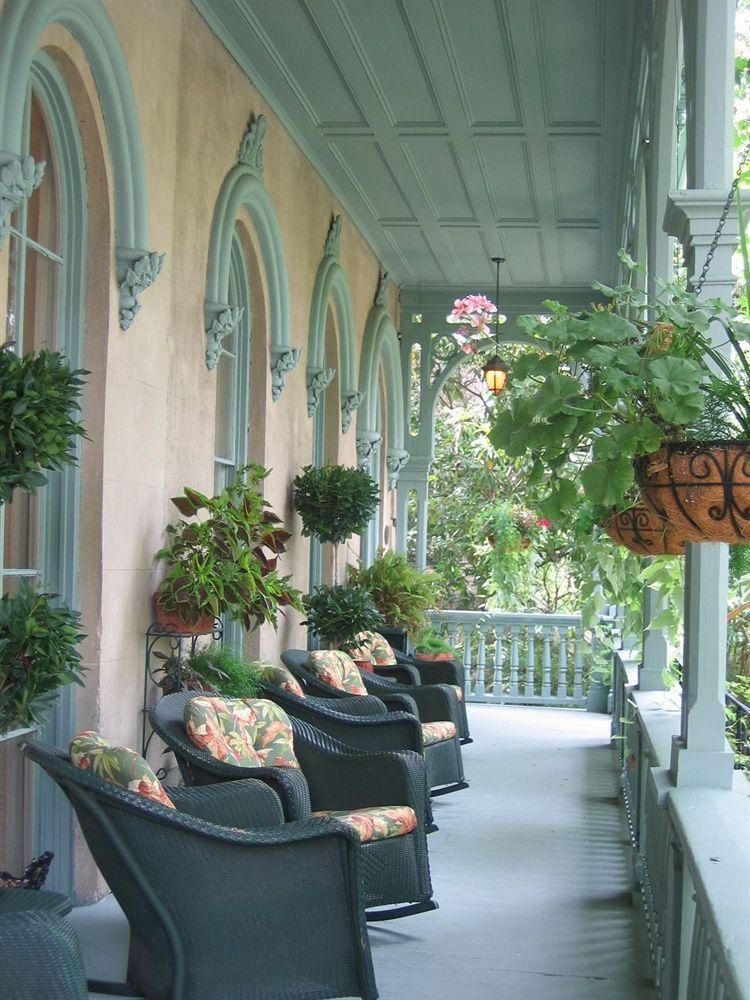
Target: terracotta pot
367,665
435,657
701,489
640,529
170,621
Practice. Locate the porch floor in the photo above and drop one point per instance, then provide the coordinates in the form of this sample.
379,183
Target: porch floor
530,868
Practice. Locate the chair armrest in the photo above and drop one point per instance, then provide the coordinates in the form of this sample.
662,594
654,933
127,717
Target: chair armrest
441,672
402,673
243,804
287,783
363,705
436,702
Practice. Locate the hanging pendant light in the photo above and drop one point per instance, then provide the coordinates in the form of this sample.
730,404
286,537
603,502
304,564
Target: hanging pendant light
496,371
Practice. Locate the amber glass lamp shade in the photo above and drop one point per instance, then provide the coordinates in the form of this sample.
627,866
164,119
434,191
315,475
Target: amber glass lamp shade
495,374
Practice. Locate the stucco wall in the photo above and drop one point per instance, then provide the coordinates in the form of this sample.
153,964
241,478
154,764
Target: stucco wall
150,402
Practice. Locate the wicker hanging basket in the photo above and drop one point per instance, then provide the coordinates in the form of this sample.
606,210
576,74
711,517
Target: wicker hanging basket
640,529
701,489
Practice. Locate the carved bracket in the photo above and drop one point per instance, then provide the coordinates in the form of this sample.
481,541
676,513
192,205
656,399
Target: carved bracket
221,326
368,444
18,179
349,404
395,460
333,239
283,360
136,274
318,380
382,288
251,148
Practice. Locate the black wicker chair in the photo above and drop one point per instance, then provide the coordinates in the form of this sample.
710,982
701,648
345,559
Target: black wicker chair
445,770
40,958
396,871
409,670
223,898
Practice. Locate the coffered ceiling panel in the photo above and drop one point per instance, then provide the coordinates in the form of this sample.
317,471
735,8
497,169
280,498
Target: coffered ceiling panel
451,130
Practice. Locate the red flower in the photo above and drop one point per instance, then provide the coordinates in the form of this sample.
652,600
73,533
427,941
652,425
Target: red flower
543,522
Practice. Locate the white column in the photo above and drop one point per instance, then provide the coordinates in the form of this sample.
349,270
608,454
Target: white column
700,755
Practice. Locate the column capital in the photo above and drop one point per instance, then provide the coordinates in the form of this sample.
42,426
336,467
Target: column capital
694,214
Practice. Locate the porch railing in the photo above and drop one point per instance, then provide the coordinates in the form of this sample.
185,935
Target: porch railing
523,659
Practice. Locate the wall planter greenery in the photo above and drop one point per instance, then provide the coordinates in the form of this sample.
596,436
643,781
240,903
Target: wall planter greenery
640,529
335,502
629,386
225,563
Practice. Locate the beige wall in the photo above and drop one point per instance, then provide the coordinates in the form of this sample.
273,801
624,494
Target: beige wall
150,402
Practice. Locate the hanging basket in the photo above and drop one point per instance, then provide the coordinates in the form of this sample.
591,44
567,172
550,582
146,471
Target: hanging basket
640,529
701,489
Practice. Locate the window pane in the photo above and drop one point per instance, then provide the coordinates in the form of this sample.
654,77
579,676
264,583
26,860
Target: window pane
40,302
11,584
9,278
43,220
225,408
20,549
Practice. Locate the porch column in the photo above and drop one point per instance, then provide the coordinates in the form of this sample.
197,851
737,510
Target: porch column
700,754
414,476
655,645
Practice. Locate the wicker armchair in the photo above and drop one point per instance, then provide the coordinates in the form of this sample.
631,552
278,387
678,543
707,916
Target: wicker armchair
409,670
222,897
445,771
396,872
40,958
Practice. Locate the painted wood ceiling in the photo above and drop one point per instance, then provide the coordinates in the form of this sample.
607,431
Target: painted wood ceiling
452,130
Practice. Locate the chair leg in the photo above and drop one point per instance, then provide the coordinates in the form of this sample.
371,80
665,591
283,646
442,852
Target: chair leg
113,989
457,786
394,912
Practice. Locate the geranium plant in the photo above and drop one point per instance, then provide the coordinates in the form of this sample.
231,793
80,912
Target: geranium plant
226,562
600,388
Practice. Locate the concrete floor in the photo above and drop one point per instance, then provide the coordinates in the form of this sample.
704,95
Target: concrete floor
530,868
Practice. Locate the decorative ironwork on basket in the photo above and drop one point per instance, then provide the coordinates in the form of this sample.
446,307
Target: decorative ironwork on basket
643,531
701,488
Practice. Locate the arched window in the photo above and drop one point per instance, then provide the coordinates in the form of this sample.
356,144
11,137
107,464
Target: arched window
42,305
232,396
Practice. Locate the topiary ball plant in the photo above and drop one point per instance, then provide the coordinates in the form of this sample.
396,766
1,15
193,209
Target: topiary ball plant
39,393
336,614
401,592
38,654
335,502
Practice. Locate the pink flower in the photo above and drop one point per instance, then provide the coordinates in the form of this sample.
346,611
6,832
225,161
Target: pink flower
543,522
469,348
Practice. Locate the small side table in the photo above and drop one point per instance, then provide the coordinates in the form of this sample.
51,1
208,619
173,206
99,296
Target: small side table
39,900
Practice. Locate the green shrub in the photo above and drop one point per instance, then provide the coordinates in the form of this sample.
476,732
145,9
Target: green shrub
38,654
224,669
335,502
336,614
400,592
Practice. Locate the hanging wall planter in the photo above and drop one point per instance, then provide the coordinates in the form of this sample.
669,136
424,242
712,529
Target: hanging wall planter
643,531
173,622
701,489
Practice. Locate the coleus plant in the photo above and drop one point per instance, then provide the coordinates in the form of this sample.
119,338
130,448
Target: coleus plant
598,388
226,562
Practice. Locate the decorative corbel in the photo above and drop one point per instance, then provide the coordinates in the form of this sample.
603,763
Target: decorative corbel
318,380
368,444
349,404
283,360
251,148
222,325
19,178
136,273
382,288
395,460
333,239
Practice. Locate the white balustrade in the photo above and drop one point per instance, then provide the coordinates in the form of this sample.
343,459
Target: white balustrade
492,645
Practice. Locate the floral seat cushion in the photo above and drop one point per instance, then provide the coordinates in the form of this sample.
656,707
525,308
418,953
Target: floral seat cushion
249,732
337,669
119,766
280,677
376,823
436,732
372,646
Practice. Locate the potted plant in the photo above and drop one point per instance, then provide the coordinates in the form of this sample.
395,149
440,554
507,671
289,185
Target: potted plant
39,640
400,592
336,614
335,502
634,388
226,562
432,646
639,528
214,667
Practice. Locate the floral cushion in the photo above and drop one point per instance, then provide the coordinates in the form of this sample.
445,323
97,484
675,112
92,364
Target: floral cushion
250,732
280,677
376,823
372,646
118,765
337,669
436,732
